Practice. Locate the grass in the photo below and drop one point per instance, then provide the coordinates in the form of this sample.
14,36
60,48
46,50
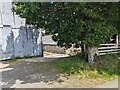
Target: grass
105,67
13,59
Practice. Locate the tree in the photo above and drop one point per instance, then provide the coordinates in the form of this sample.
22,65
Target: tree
88,24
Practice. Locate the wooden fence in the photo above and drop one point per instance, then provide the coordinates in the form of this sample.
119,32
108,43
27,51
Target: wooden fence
109,49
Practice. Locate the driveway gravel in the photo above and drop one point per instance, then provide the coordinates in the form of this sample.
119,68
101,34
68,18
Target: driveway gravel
32,73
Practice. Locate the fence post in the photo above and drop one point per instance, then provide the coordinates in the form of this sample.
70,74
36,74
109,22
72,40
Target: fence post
119,38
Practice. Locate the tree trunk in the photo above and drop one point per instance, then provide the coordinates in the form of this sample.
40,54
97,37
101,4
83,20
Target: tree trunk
91,51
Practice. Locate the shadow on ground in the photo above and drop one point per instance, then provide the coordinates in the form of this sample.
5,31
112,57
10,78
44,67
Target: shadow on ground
20,73
39,73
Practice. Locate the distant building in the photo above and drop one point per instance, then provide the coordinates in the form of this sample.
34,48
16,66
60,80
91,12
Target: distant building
51,46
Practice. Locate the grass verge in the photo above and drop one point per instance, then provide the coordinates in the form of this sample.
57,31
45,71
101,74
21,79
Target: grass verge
105,67
13,59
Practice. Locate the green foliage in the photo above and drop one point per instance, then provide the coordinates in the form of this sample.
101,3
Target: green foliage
80,23
105,67
13,58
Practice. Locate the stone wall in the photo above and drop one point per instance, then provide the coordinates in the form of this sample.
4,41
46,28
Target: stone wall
53,49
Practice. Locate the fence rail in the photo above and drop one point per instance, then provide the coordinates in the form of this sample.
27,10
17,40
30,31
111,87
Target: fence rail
109,49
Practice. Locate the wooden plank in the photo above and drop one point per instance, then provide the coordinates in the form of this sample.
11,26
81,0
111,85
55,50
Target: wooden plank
108,44
113,47
109,50
109,53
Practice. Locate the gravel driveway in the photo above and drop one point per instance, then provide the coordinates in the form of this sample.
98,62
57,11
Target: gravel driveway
32,73
110,84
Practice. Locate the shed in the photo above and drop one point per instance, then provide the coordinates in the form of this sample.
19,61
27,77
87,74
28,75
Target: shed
16,38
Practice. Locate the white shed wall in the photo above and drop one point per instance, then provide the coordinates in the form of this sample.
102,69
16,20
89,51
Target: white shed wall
16,38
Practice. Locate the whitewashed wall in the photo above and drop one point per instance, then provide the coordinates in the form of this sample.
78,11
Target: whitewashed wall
16,38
